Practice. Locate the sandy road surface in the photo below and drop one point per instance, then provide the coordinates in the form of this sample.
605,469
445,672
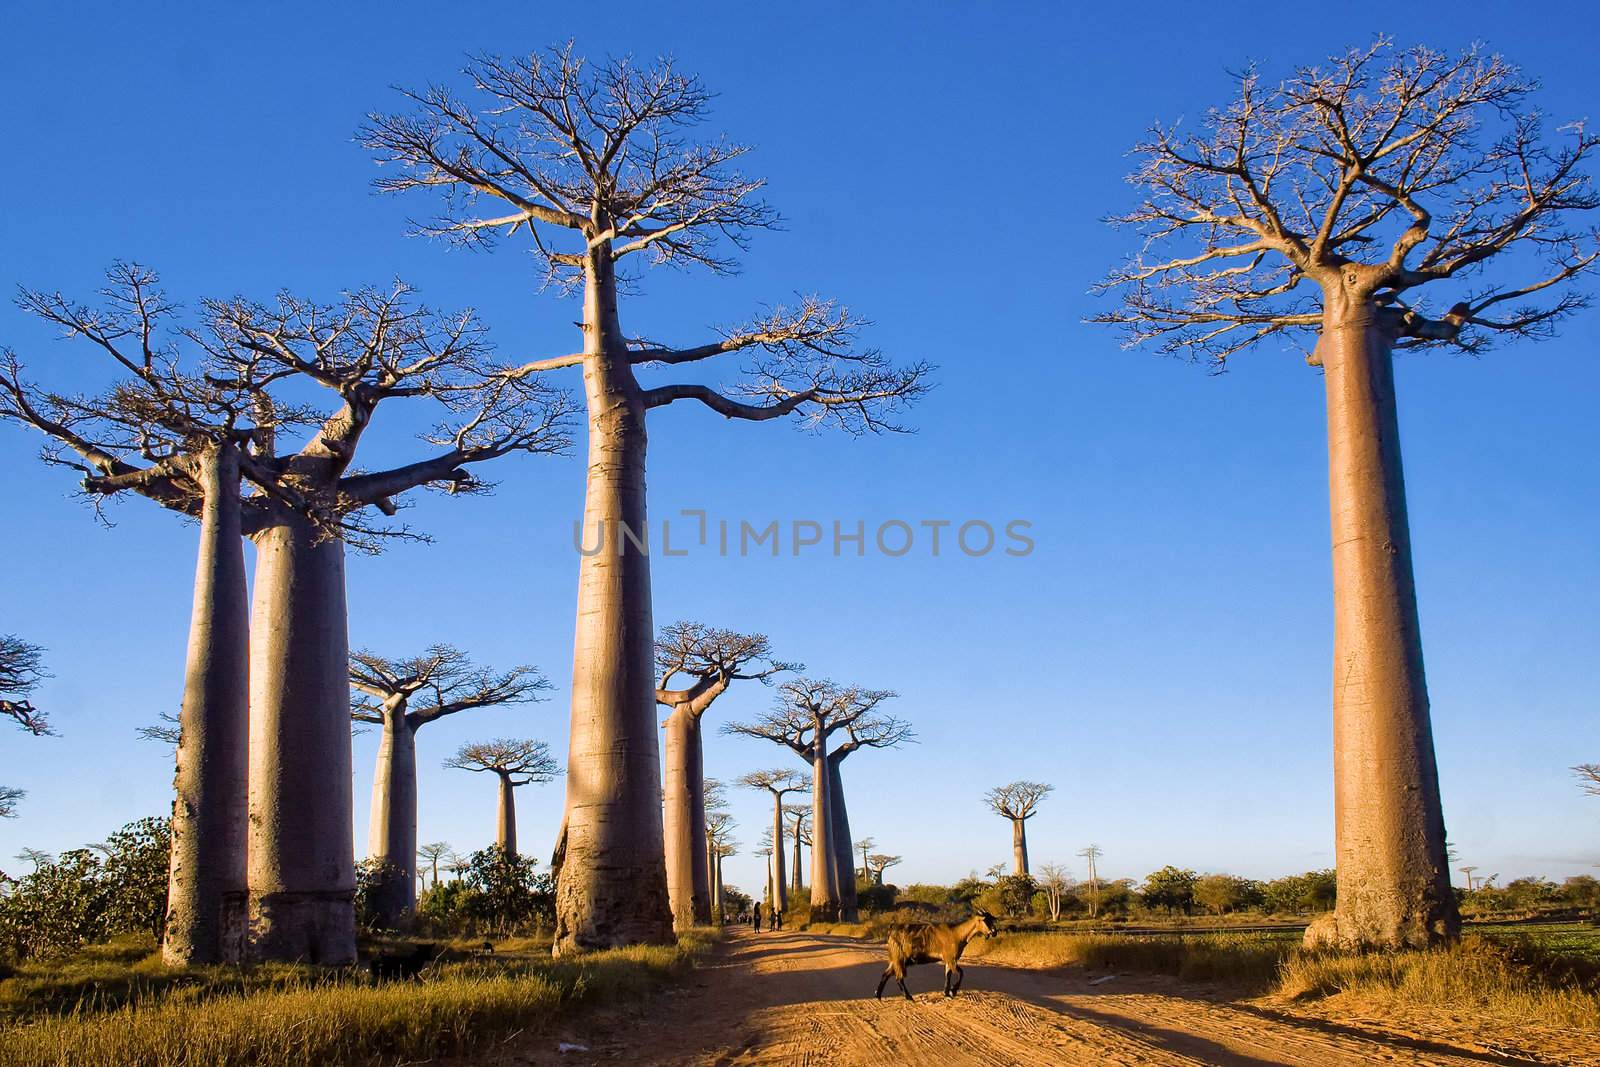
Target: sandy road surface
806,999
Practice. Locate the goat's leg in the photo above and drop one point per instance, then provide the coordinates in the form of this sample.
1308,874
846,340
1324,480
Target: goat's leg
900,978
948,973
960,974
883,981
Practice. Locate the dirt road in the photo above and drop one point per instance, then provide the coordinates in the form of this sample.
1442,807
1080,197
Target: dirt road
807,999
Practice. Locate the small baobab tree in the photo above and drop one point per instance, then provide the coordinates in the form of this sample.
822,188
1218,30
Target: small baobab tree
599,168
710,660
719,840
1091,854
779,782
1017,802
1055,882
1588,778
864,846
877,863
1332,206
515,762
9,796
37,857
401,696
431,854
799,816
805,715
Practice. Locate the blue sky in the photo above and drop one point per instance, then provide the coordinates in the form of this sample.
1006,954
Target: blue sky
1162,656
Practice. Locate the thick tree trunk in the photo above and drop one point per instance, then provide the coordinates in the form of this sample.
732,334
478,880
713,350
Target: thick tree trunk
612,888
392,829
301,859
797,884
716,888
1019,846
684,812
824,858
206,884
1394,882
505,824
780,891
844,856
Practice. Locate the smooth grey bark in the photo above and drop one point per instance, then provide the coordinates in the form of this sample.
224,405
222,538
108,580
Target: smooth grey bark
206,883
844,857
301,857
1019,846
505,827
825,890
684,817
797,885
392,829
612,889
1393,874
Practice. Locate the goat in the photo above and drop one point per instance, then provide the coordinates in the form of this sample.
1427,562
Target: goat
927,942
390,966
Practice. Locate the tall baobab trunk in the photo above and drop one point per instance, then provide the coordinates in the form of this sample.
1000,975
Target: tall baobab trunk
392,830
797,885
505,826
206,884
301,859
844,857
780,892
1019,846
613,887
684,807
824,858
1394,882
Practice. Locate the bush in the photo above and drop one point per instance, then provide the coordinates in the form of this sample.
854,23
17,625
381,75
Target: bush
1170,888
876,898
1299,894
80,898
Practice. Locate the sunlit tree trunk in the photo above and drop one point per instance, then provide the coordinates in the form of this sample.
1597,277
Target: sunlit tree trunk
392,829
797,884
505,826
1019,846
301,858
844,857
206,885
780,892
613,886
824,858
1394,887
684,808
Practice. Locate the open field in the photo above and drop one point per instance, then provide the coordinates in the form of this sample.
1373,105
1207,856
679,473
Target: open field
106,1009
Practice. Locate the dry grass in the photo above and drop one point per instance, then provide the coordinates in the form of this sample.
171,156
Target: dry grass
1509,979
340,1019
1248,960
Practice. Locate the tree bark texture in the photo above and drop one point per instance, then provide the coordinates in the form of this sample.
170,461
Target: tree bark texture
684,814
505,824
392,830
206,883
301,859
844,856
1019,846
824,858
1394,882
780,891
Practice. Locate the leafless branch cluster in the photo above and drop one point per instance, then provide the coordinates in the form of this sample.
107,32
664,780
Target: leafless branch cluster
777,781
442,681
520,760
1018,800
1377,173
1588,777
805,705
587,157
21,671
707,652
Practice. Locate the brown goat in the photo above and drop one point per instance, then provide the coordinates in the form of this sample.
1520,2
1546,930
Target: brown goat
927,942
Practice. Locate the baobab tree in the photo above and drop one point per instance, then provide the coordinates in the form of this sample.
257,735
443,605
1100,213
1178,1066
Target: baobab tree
20,674
865,845
200,413
597,166
806,714
515,762
710,660
877,863
1090,854
431,854
719,840
1329,206
35,856
1053,879
402,696
1588,777
1018,802
800,833
779,782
